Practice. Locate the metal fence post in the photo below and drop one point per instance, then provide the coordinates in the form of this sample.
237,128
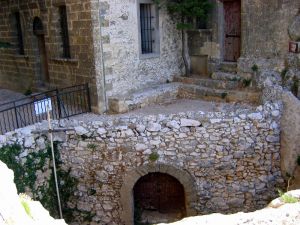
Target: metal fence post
58,103
16,115
88,97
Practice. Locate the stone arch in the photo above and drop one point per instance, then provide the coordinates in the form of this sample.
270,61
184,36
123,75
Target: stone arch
131,177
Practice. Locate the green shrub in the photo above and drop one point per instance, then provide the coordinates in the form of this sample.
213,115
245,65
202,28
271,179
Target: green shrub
153,156
254,68
247,82
287,198
224,95
24,202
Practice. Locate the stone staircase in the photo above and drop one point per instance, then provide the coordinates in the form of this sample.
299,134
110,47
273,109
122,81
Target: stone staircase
224,85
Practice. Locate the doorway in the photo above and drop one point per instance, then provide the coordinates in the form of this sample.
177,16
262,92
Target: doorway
158,198
41,56
232,30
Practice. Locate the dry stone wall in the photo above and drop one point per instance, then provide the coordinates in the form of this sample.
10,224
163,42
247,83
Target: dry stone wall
233,158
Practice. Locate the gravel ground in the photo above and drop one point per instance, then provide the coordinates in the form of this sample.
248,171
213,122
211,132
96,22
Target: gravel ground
177,106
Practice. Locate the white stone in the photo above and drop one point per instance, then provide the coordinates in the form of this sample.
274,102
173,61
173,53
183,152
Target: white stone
29,141
275,113
101,131
173,124
255,116
2,139
213,121
81,130
189,123
271,138
140,147
140,128
153,127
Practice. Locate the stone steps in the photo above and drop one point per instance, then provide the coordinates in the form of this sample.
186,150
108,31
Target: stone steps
210,83
193,91
225,76
162,93
230,67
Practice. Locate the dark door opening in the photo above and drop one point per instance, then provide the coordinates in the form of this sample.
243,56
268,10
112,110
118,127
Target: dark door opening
232,30
158,198
41,57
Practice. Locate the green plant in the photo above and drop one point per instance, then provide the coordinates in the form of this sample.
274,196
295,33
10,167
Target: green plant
24,202
187,10
25,177
5,45
254,68
247,82
153,156
295,86
283,74
92,146
287,198
28,92
224,95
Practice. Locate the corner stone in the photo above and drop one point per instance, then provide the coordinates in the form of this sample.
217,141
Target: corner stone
189,123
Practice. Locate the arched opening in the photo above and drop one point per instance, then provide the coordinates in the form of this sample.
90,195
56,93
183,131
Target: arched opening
158,198
41,56
131,178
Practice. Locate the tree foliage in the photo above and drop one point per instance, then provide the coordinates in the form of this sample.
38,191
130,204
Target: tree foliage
187,9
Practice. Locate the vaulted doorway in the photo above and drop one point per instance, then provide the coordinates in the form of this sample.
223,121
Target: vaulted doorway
232,30
158,198
41,53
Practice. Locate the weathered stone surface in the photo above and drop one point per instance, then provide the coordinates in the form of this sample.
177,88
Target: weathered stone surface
278,213
81,130
153,127
189,123
290,133
11,209
224,152
294,29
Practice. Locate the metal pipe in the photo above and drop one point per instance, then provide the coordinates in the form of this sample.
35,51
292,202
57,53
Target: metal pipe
54,164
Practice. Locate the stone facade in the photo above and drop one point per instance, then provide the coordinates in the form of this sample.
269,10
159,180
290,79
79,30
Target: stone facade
104,48
264,35
23,72
226,161
125,68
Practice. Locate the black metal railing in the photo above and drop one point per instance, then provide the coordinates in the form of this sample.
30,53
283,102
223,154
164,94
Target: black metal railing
62,103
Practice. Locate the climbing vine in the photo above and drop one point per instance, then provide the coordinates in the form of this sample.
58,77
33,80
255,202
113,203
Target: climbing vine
25,177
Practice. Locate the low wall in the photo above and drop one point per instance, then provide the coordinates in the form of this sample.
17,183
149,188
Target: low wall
232,159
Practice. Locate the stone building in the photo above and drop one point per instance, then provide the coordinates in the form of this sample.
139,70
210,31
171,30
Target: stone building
117,49
129,52
65,42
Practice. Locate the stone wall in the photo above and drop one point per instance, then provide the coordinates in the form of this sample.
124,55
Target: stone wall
265,37
22,72
226,161
125,68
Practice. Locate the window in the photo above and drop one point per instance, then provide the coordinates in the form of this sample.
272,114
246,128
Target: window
19,33
149,35
64,31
